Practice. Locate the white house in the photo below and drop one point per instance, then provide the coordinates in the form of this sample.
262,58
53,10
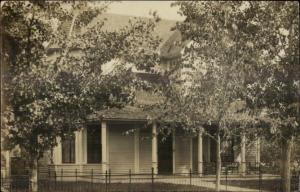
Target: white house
123,139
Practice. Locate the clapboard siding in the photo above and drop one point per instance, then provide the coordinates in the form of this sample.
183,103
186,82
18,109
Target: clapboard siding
182,154
145,152
121,148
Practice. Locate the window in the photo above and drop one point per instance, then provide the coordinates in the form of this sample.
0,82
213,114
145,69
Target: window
68,149
94,149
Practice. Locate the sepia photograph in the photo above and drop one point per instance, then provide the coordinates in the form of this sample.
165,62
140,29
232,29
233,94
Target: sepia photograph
150,96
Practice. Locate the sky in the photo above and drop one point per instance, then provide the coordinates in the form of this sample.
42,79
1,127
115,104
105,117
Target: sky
142,8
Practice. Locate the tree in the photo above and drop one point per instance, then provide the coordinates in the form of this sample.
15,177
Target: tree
216,77
259,41
277,87
52,95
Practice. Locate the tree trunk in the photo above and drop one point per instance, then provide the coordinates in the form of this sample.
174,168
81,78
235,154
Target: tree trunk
219,163
286,164
34,176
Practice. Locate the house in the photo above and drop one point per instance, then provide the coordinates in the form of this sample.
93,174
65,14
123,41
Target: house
124,139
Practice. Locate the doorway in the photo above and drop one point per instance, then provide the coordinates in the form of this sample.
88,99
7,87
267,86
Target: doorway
165,154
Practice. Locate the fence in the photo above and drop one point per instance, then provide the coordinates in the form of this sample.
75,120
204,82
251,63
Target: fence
92,181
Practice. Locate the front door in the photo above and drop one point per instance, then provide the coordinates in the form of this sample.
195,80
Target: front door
165,155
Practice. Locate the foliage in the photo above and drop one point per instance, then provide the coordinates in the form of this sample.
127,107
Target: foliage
55,78
239,52
245,51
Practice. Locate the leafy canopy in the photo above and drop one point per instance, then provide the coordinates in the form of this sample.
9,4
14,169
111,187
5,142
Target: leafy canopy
56,79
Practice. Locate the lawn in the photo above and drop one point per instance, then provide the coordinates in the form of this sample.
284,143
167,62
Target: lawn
273,185
114,187
269,184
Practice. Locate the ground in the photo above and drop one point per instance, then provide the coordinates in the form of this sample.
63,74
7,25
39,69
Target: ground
268,183
115,187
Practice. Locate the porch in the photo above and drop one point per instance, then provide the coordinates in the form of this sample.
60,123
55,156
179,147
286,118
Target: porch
120,146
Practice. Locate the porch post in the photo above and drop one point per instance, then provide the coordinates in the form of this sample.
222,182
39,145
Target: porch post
174,150
83,144
200,154
78,147
258,151
137,150
191,152
8,163
104,145
243,155
59,151
154,147
107,148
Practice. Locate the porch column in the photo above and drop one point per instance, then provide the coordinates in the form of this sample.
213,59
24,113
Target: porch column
243,155
83,148
78,147
154,147
8,163
58,151
137,150
174,151
191,152
200,154
257,151
104,146
84,145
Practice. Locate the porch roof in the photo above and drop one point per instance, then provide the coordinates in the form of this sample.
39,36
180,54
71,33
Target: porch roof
128,113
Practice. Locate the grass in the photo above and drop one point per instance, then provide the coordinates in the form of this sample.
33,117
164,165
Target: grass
273,185
115,187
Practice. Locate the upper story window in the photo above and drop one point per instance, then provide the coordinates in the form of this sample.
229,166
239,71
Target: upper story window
68,149
94,149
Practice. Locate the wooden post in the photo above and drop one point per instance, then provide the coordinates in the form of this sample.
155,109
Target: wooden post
58,151
8,163
191,151
154,148
104,145
137,150
243,155
257,152
83,148
174,151
78,147
200,154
